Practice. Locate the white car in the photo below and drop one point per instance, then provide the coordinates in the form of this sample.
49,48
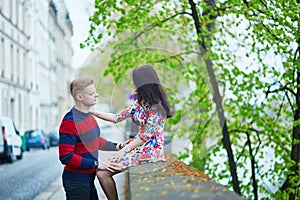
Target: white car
10,141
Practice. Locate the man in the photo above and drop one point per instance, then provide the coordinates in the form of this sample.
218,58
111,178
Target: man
79,142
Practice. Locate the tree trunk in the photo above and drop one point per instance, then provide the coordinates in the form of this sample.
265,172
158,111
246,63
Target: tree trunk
217,99
295,155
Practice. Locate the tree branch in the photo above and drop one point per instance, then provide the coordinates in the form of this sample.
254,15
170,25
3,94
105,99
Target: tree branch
238,131
177,55
259,140
262,12
295,56
290,102
282,88
280,108
162,21
252,158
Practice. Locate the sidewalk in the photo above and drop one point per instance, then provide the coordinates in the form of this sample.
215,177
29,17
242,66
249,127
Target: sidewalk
55,191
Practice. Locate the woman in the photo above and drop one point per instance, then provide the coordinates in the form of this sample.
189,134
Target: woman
149,112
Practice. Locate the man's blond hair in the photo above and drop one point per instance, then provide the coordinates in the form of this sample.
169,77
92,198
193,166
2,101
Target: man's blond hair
79,84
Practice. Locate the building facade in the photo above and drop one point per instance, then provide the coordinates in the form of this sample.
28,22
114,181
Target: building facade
35,62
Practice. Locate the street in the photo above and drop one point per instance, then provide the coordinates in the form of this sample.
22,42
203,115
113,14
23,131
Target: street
25,178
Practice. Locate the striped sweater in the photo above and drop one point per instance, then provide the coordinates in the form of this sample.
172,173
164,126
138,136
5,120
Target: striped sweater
79,142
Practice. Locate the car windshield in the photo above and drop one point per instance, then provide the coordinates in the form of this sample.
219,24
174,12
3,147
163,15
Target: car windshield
32,133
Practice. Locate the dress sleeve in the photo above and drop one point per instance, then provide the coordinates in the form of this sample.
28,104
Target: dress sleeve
151,125
126,113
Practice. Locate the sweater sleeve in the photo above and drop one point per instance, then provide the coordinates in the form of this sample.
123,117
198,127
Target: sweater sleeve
106,145
67,141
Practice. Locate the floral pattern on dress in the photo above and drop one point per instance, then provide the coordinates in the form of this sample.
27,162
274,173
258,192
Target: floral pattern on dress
151,127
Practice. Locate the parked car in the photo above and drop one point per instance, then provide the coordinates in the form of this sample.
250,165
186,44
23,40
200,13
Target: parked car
10,141
54,136
36,139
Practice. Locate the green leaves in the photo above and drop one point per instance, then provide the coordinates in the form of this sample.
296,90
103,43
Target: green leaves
253,46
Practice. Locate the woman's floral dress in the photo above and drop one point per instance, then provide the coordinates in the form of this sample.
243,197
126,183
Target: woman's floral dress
151,122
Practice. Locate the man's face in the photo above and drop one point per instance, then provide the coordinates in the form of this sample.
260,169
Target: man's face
88,96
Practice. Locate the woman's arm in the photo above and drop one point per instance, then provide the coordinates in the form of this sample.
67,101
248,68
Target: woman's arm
105,116
124,114
127,148
137,142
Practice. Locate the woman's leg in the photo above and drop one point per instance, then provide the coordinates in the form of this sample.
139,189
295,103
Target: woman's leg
108,183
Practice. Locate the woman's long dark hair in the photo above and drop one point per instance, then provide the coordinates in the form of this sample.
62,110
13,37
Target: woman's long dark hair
148,88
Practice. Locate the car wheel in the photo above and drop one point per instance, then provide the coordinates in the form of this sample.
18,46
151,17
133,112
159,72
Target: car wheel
10,155
19,157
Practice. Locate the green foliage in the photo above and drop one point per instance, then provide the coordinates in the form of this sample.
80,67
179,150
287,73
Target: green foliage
252,45
261,98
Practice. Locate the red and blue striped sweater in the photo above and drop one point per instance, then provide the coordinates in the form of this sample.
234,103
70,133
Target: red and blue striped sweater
79,142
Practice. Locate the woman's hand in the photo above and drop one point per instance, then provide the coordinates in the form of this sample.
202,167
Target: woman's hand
116,158
126,142
122,145
105,116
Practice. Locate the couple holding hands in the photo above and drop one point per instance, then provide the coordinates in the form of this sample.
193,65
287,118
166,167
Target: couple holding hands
80,139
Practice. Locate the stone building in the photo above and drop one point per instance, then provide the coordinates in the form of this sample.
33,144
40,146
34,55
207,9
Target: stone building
35,62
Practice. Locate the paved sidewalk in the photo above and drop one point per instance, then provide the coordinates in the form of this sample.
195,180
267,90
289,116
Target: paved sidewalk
55,191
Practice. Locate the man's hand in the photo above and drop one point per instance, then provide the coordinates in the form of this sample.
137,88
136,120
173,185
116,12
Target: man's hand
110,166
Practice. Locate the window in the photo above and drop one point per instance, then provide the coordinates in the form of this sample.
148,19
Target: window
12,67
17,12
10,9
5,102
36,116
24,16
2,58
31,116
25,77
18,66
21,113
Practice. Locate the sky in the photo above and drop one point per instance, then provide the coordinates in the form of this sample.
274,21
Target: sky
80,11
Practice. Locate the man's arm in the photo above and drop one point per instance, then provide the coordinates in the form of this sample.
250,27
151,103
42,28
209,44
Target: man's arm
106,145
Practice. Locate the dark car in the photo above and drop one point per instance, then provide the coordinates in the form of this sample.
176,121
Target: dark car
54,136
36,139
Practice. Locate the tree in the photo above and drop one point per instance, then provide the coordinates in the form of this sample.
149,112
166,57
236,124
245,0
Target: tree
273,29
168,34
109,94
